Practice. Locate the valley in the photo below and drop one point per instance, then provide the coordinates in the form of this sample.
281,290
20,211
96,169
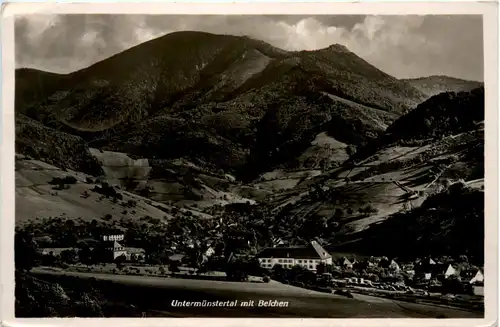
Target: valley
196,141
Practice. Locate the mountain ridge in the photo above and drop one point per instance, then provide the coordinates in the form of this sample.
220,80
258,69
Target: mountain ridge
310,143
435,84
208,81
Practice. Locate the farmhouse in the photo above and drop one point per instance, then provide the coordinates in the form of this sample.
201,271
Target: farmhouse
306,256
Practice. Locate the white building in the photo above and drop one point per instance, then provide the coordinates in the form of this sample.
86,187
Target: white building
450,271
113,237
306,256
113,249
478,278
344,262
473,276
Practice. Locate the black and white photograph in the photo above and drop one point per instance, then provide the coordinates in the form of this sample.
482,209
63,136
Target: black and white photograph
251,166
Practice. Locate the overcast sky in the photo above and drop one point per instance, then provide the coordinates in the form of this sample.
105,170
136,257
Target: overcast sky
403,46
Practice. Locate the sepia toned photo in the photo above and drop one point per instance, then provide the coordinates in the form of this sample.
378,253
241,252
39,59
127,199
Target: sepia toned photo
251,166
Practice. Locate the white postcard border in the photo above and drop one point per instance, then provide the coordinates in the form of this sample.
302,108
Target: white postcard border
490,28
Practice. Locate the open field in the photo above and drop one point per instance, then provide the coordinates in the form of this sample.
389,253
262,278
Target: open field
35,197
154,296
459,301
140,270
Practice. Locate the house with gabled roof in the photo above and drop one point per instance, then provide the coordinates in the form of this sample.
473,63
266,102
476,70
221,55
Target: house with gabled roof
472,276
478,277
111,247
308,256
450,271
114,248
344,262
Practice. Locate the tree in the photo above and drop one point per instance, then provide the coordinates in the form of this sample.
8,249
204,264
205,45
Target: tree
235,271
374,278
86,256
339,213
321,268
278,272
453,284
174,267
26,253
69,256
196,254
302,275
67,238
399,278
49,260
351,149
120,260
88,306
69,224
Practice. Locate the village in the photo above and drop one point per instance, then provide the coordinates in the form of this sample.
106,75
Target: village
311,266
239,246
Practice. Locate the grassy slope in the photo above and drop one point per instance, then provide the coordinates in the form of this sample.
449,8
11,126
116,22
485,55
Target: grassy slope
33,86
371,183
173,181
451,222
154,295
53,146
433,85
211,97
441,140
36,198
444,114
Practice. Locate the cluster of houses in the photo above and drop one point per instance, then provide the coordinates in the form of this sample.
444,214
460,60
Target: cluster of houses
313,254
109,247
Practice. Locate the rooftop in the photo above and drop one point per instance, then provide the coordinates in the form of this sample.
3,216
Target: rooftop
112,244
312,251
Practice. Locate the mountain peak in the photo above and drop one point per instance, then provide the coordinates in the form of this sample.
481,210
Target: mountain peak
337,48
